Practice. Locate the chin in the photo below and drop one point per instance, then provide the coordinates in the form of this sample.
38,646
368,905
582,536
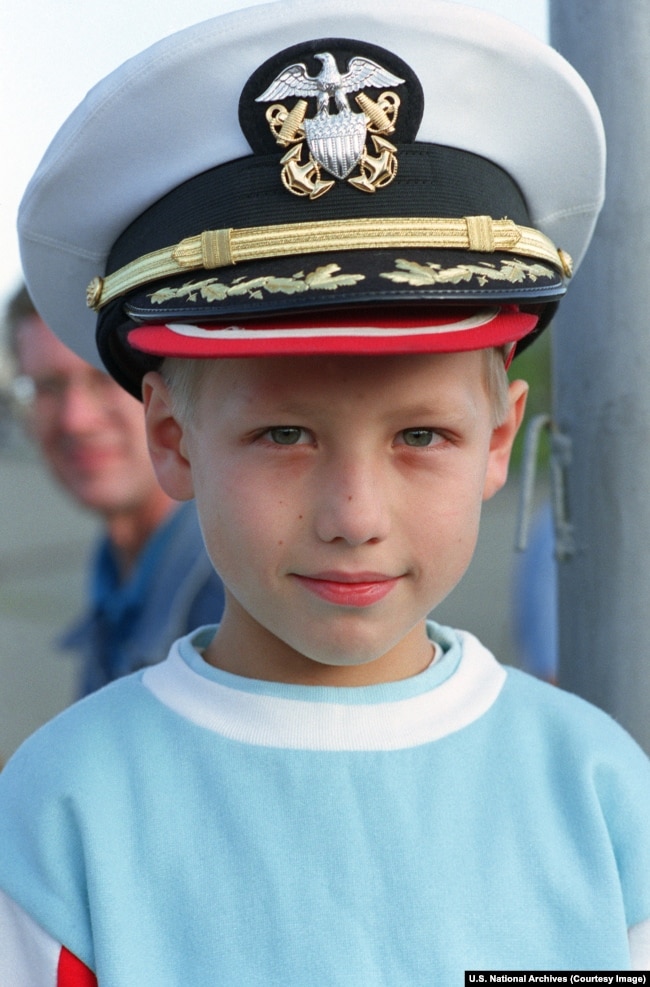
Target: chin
353,650
347,659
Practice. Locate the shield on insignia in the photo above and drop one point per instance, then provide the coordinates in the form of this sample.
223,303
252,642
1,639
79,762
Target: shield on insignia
336,142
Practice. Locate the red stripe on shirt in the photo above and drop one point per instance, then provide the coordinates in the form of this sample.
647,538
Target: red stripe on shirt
72,972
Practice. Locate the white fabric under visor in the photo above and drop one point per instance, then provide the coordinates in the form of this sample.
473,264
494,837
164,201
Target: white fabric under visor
474,321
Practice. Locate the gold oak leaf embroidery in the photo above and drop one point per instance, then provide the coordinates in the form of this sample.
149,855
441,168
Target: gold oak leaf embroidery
212,290
421,275
327,277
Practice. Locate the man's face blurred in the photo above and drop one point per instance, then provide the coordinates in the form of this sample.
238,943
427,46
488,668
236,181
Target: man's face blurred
90,431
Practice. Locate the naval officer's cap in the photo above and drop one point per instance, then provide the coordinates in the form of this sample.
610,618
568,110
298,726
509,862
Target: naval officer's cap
341,176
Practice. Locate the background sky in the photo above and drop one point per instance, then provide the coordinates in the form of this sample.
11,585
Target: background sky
53,51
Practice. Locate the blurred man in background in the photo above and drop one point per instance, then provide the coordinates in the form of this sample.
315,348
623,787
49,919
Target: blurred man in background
151,580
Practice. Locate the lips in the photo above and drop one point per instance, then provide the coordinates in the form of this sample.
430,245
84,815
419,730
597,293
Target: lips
360,589
90,458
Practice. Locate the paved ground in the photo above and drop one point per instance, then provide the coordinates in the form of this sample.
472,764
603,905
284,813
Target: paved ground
44,545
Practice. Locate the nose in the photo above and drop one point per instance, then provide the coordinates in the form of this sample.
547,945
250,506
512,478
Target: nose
78,409
352,503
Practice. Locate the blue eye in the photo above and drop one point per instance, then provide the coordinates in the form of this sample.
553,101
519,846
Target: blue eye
286,435
419,436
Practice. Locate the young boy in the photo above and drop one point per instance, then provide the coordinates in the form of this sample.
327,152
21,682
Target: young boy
317,302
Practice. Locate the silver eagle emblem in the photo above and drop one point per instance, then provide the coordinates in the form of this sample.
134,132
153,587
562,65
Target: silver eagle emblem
336,141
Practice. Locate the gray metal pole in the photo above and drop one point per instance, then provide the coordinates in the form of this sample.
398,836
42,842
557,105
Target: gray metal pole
602,379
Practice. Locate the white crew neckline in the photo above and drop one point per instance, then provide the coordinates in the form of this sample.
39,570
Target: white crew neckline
308,718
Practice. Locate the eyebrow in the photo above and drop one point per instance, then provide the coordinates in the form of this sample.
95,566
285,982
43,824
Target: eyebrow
417,412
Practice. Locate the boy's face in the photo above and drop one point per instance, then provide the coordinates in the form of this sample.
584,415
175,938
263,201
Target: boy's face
340,502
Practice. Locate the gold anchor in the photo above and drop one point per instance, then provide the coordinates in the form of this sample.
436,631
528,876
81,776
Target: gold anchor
381,113
303,179
287,126
376,172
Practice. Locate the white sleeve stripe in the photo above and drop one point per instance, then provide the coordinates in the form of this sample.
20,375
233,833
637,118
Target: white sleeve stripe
29,956
639,937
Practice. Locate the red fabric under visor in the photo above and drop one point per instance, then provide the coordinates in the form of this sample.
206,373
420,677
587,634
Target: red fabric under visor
440,331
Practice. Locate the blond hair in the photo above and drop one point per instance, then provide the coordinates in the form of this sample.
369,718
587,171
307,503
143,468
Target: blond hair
183,377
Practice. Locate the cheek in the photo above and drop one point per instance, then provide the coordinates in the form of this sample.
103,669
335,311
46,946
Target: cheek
241,517
445,524
44,431
133,434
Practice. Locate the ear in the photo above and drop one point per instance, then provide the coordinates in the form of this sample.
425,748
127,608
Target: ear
503,437
166,439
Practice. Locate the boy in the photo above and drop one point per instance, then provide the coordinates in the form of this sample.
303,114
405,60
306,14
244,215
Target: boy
325,789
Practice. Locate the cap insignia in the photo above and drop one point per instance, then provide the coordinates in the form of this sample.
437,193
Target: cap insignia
336,141
333,129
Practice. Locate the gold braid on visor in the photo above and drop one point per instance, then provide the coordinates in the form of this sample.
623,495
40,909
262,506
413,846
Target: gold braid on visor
223,248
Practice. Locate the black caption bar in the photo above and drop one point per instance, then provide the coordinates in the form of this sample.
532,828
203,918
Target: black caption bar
607,977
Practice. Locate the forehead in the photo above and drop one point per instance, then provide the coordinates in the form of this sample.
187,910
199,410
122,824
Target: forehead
380,379
39,350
